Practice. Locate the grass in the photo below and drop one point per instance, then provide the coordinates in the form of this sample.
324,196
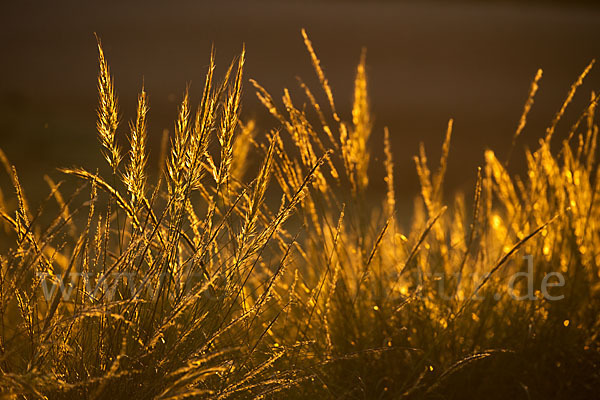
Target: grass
198,285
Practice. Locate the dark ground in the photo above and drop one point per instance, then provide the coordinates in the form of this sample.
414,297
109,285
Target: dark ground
427,62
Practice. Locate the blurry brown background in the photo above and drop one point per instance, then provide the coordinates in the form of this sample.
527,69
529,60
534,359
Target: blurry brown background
427,62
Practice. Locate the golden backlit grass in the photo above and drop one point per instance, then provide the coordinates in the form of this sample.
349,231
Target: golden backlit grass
200,288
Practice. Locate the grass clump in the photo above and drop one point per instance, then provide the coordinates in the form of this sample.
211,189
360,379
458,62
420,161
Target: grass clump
196,286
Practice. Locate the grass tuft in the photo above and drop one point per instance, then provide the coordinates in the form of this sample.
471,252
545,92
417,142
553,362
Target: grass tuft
201,285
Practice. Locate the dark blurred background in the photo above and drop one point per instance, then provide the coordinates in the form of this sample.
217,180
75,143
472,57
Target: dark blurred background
427,62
